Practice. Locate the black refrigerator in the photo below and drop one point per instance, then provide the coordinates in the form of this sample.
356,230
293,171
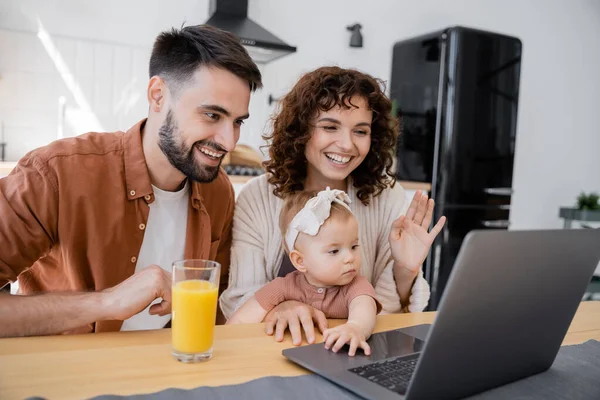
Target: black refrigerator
456,94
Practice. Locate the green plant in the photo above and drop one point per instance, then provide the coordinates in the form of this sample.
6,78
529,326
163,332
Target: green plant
588,202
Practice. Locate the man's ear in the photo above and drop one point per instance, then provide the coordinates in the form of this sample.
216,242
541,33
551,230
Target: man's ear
298,260
156,93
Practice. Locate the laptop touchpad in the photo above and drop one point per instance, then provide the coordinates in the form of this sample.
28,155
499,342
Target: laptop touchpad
393,344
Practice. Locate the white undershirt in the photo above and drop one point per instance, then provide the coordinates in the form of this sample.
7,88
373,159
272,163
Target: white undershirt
164,242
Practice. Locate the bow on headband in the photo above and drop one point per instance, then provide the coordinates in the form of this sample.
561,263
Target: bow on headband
314,214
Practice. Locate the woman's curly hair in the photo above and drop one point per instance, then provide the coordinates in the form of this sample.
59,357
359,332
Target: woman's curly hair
322,90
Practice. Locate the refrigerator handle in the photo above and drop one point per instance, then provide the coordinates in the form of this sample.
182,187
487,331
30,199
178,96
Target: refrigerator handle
437,187
501,191
437,250
499,223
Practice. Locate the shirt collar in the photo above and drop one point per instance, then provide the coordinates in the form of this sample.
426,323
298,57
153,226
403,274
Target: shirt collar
137,177
196,195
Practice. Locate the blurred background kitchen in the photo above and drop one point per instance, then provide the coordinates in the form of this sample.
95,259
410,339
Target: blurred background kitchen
519,102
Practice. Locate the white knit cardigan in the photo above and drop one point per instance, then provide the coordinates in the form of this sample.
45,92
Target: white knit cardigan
257,251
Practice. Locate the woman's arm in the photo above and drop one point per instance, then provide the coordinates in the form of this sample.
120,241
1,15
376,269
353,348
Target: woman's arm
246,276
249,313
405,280
387,292
248,265
386,289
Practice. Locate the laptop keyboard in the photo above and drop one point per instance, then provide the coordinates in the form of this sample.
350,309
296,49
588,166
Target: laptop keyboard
392,373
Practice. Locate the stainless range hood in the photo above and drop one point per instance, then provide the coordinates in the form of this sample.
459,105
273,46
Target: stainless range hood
232,16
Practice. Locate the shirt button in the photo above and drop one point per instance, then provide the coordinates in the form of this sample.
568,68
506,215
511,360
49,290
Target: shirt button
147,197
132,192
320,290
133,259
142,227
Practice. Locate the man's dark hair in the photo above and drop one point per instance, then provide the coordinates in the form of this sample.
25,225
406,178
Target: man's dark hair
178,53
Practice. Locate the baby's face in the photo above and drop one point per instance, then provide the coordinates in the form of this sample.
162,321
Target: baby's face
332,257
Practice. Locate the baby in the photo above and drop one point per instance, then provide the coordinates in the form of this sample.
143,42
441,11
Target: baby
321,239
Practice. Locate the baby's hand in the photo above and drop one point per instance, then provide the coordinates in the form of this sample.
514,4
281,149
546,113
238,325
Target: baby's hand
350,332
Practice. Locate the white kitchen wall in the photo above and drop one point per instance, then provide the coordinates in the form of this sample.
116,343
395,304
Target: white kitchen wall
105,47
128,22
102,85
558,142
95,56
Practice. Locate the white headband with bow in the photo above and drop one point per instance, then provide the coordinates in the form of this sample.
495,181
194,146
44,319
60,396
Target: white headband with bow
314,214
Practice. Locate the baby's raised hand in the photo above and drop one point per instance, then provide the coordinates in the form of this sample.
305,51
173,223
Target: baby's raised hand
350,332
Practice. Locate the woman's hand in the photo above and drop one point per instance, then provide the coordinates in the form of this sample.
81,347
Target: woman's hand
293,314
351,333
410,238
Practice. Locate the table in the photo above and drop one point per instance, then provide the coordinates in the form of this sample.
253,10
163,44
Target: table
75,367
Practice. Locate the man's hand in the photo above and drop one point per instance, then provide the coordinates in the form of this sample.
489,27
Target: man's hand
136,293
292,314
52,313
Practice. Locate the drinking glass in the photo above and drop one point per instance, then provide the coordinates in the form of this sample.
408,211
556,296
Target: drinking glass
194,309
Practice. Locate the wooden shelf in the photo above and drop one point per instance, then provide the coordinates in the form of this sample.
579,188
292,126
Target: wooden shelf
6,167
409,185
240,179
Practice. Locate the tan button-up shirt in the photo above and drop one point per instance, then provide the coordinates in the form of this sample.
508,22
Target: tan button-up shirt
73,216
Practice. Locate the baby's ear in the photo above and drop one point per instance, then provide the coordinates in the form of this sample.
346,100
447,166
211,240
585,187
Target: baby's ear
298,260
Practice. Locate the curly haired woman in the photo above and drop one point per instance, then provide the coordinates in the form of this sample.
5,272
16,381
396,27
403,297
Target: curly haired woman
334,129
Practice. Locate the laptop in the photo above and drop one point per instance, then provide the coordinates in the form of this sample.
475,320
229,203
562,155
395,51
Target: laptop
507,306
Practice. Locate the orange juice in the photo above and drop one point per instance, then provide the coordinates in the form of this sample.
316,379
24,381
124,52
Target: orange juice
194,312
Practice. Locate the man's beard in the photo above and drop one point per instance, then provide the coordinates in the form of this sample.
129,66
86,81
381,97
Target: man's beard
183,159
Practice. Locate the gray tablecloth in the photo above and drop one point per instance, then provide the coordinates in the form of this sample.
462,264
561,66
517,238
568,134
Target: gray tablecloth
574,375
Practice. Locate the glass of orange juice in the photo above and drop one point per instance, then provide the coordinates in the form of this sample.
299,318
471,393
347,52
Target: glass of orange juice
194,309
